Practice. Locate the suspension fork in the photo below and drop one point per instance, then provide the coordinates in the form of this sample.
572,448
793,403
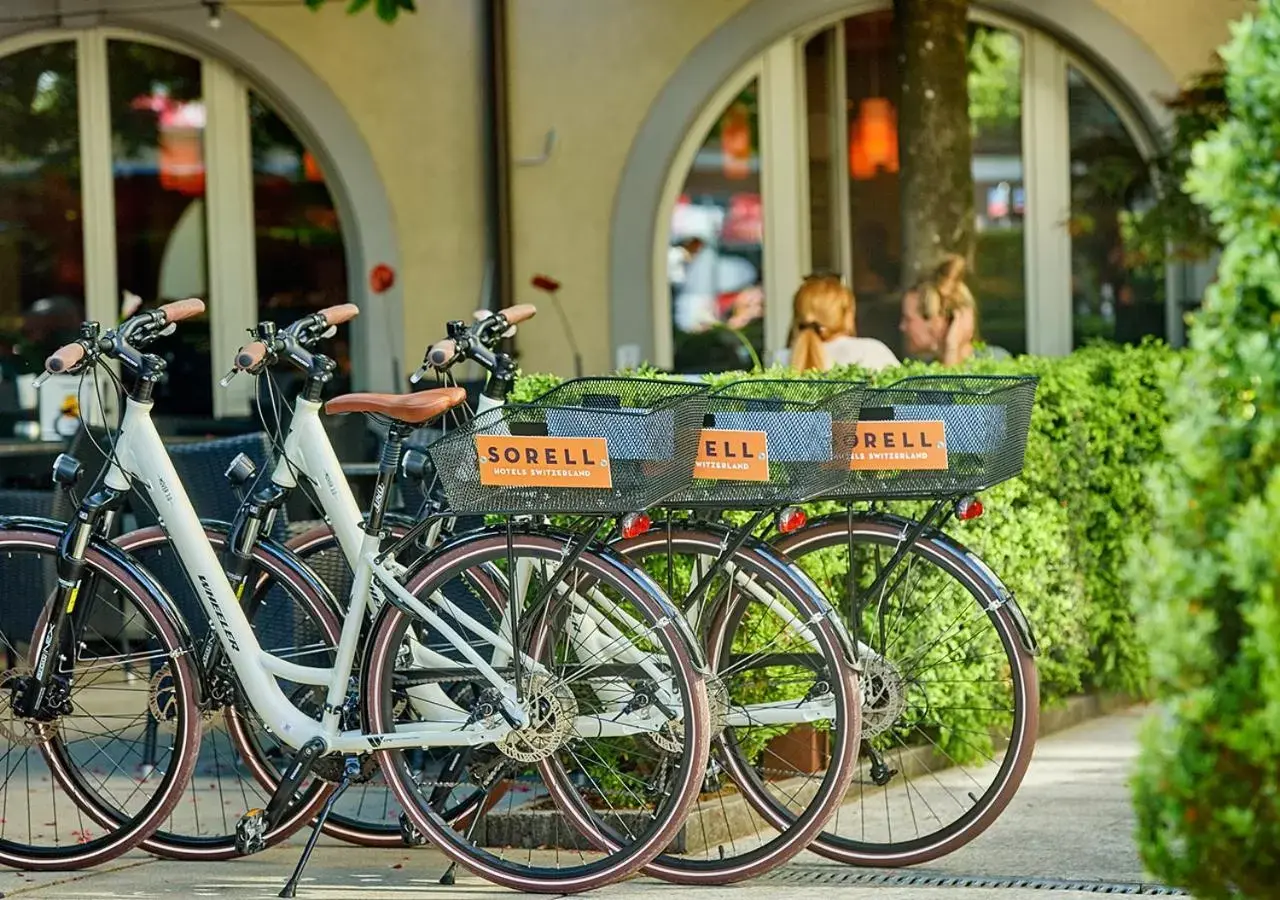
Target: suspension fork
94,516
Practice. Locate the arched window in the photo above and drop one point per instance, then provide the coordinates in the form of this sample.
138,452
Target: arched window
1047,131
133,167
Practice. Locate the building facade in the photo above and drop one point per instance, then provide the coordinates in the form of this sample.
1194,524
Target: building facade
675,165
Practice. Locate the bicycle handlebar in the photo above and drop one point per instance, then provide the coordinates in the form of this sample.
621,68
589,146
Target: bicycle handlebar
181,309
65,358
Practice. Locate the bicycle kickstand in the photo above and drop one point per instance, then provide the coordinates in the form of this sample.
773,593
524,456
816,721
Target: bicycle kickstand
350,770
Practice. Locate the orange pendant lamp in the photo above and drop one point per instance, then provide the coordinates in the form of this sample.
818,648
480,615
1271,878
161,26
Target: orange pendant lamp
873,139
735,142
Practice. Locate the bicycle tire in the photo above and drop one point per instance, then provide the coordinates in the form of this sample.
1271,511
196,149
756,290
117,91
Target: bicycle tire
998,608
108,574
482,548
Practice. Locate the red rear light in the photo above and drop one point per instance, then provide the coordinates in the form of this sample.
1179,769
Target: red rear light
634,524
792,519
969,508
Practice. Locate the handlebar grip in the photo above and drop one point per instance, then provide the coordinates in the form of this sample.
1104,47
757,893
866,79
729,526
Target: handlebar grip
521,312
336,315
64,359
182,309
443,353
251,356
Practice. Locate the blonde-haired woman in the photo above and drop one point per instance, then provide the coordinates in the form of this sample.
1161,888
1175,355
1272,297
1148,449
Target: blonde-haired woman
823,333
939,315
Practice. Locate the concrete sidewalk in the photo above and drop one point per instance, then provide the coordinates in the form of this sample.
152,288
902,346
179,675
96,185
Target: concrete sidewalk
1071,822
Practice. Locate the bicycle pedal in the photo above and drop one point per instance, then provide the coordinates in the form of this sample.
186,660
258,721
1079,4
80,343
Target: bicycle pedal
251,832
409,833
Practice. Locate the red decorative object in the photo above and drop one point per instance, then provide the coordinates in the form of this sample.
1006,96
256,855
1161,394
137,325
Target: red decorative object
873,140
381,278
735,142
545,283
181,130
311,168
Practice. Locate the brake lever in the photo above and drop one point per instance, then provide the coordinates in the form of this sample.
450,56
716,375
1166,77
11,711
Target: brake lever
226,379
419,375
41,379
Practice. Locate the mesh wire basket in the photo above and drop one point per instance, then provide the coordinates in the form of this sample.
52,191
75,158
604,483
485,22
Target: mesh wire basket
772,442
590,445
936,436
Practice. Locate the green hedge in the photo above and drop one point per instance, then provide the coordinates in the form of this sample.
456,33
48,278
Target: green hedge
1059,535
1207,584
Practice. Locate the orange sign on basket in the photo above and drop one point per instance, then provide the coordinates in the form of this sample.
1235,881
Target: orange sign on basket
891,446
728,455
554,462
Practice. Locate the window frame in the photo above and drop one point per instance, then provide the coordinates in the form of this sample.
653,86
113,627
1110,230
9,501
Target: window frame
785,187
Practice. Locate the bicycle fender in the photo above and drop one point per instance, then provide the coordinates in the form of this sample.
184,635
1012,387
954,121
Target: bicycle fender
966,557
121,559
278,553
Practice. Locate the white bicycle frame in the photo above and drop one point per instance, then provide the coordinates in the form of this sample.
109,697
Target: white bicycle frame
140,455
307,449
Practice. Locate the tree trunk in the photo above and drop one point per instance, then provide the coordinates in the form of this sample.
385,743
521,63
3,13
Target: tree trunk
935,144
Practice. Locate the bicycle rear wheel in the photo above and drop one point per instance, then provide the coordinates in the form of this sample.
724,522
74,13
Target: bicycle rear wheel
99,776
617,698
950,693
785,693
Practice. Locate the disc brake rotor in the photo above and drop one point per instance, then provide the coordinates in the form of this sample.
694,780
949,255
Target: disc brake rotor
884,695
670,737
551,708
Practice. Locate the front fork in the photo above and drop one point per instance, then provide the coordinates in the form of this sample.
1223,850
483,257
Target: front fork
41,695
254,518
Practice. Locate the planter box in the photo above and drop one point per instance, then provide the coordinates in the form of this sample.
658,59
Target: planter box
802,750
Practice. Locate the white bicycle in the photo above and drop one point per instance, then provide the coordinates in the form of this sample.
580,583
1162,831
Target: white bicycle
583,701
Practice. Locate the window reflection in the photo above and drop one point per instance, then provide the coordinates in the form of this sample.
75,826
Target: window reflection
301,264
158,160
41,244
873,88
714,264
1110,301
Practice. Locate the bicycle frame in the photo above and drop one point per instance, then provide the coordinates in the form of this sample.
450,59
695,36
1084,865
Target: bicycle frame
140,452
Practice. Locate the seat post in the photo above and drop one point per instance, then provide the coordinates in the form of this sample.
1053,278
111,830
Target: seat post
387,465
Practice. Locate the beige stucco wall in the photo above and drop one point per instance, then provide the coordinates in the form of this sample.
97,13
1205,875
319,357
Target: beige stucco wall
412,89
1183,33
590,69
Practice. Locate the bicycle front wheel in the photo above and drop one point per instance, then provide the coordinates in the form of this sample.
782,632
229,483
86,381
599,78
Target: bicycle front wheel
99,773
612,688
950,694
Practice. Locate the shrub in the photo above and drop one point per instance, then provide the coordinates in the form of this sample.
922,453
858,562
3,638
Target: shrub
1059,535
1206,581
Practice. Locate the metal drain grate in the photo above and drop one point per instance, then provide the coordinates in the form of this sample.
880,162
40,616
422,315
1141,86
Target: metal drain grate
832,875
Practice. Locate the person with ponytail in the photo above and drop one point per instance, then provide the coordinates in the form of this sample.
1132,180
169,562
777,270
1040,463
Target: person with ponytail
823,330
939,315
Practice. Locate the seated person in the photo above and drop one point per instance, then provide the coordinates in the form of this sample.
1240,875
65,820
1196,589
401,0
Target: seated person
823,333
